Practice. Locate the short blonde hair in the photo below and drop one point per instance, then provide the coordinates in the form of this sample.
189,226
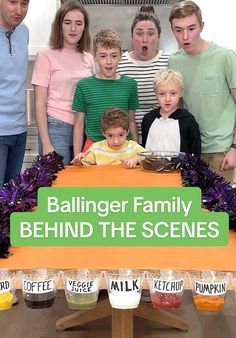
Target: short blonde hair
107,39
167,75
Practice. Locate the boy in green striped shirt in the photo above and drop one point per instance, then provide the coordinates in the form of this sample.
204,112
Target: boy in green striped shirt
95,94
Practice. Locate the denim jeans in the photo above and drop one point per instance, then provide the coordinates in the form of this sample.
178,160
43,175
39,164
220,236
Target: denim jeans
12,150
61,135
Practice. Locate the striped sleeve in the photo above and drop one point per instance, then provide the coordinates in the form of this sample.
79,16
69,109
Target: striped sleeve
79,101
144,73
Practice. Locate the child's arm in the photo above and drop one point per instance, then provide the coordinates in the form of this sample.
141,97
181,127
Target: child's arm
87,157
132,162
133,125
77,160
78,134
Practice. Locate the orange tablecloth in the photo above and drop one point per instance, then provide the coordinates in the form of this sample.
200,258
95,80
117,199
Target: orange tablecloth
114,176
187,258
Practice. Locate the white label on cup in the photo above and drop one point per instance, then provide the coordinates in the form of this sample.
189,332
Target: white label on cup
37,286
210,289
81,286
128,285
5,285
168,286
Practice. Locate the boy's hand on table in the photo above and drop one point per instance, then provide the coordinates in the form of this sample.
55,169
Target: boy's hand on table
77,160
131,162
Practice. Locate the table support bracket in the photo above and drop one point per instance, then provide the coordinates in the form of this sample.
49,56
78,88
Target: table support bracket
122,320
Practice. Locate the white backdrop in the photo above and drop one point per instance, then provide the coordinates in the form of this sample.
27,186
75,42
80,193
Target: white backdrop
219,17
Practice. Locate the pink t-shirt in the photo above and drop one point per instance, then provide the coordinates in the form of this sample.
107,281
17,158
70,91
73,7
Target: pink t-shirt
59,70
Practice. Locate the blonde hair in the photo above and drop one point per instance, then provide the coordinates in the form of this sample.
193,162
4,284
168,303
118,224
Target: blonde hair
107,39
167,75
185,8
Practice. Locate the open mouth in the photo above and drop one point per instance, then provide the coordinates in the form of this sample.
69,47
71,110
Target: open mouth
144,49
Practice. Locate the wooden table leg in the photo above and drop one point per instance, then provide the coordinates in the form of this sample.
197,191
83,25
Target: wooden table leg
146,311
122,320
102,310
122,323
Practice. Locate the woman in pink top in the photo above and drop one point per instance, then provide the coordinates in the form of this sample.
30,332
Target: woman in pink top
57,70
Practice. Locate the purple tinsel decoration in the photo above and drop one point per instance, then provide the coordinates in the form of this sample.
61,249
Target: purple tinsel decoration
216,192
20,193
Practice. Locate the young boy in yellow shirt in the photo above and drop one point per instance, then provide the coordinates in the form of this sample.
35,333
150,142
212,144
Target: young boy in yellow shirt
115,149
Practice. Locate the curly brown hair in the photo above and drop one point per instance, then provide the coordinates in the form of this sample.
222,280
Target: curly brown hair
115,118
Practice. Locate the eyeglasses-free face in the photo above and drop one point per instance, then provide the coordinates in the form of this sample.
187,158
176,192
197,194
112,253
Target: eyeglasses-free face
12,13
72,27
145,40
116,137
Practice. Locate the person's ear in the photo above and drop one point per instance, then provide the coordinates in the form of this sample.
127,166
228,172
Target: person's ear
202,26
155,91
95,55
